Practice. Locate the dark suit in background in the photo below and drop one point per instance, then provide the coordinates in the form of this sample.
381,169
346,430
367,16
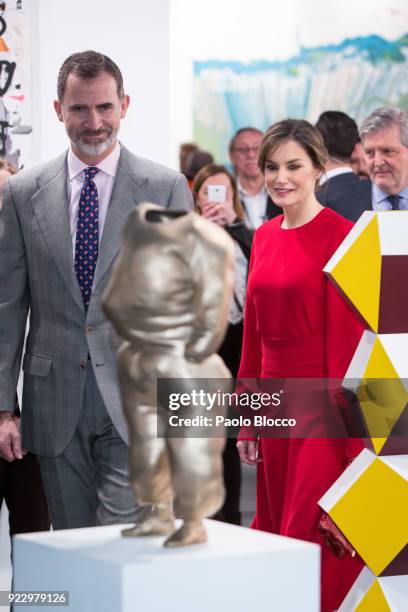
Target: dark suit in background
346,194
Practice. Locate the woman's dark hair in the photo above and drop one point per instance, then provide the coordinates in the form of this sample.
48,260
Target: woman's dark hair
300,131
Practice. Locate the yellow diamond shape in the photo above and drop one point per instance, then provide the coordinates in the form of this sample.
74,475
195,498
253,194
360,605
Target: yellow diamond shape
358,273
382,396
372,514
374,600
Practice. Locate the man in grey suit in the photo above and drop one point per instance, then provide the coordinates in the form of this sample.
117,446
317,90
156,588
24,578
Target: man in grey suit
60,231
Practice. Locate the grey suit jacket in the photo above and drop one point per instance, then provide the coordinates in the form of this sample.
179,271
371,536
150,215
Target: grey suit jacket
37,276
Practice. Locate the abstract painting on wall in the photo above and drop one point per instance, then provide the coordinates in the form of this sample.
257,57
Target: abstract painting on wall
355,75
15,84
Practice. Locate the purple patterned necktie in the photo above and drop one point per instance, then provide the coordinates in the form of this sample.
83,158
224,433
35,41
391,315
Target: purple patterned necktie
86,242
394,201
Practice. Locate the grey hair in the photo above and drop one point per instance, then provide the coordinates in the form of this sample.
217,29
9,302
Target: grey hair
384,117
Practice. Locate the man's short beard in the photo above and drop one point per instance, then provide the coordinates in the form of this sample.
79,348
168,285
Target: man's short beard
94,150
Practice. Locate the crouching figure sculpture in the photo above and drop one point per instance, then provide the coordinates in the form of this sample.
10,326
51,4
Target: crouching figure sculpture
168,300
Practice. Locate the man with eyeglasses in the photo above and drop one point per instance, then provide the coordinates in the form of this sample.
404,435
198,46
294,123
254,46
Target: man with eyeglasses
258,206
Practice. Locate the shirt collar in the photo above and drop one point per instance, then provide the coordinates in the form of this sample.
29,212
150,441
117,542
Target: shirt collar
379,195
334,172
108,165
244,194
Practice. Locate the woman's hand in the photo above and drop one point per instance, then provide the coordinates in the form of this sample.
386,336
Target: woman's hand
333,537
221,213
248,451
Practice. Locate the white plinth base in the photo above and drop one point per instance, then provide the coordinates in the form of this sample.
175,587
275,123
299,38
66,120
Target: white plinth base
238,569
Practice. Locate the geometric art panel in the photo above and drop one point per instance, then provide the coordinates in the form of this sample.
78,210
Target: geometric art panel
369,502
370,507
372,594
371,270
393,316
356,268
378,376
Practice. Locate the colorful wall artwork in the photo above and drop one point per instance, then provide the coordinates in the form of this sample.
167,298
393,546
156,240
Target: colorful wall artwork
355,75
15,84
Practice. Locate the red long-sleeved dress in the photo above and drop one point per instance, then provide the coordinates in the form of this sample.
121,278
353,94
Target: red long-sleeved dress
297,325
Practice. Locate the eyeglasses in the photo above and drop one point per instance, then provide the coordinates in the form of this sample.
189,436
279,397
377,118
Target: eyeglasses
246,150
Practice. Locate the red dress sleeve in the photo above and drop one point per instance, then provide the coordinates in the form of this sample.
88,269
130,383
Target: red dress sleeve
251,356
343,331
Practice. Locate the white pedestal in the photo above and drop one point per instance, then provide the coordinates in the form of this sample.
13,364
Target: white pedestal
5,564
238,569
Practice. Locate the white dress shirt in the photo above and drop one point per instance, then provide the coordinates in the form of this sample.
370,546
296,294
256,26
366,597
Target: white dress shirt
255,206
334,172
104,183
236,311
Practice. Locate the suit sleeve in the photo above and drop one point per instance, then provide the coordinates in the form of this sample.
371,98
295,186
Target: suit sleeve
343,332
181,196
14,299
251,356
243,235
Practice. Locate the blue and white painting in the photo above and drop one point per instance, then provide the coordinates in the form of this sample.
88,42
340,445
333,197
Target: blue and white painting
354,75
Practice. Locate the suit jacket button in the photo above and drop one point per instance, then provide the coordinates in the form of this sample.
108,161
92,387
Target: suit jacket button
82,365
89,330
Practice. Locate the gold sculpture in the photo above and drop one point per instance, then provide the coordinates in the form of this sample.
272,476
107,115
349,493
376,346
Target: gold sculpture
168,300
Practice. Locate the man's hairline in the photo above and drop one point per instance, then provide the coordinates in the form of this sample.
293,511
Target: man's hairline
90,79
239,133
373,132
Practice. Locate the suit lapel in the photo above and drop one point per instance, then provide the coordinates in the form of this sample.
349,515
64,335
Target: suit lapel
365,198
51,208
128,190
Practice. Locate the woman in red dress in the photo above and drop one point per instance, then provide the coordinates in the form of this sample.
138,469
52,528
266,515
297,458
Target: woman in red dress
298,326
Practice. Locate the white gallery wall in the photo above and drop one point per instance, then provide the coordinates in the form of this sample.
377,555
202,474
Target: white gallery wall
155,43
135,34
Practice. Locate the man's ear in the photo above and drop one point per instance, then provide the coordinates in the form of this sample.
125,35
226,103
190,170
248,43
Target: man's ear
124,105
58,109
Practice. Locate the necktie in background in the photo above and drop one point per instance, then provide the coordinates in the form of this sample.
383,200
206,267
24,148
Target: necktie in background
86,243
394,200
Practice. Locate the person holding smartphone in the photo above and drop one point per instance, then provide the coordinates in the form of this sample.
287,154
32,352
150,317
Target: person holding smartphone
216,198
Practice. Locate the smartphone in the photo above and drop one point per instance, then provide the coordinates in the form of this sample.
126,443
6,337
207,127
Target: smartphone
217,193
